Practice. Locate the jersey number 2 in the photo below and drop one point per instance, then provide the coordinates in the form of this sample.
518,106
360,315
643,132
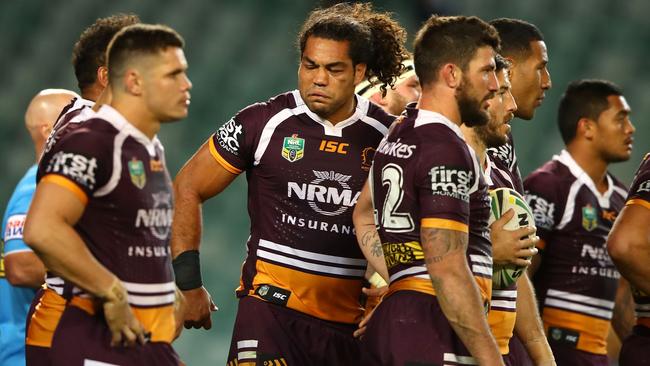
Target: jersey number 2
393,221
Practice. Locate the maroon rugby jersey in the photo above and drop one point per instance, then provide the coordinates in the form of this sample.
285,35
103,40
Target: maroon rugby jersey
70,118
503,307
121,176
577,280
505,158
304,177
425,175
640,195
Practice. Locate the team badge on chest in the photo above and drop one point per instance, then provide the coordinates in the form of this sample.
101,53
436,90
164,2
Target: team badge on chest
589,218
293,148
136,171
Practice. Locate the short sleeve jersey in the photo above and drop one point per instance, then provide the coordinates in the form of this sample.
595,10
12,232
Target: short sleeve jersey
640,195
503,307
14,300
577,280
72,116
120,174
304,177
425,176
505,158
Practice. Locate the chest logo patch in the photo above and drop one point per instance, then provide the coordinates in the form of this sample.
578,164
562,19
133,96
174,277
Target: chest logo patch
136,171
293,148
589,218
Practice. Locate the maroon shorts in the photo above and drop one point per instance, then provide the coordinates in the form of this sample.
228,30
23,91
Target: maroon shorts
518,356
636,348
409,328
270,334
81,337
567,355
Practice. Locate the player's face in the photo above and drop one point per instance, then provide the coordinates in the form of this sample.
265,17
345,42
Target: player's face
405,92
478,86
614,130
530,80
326,78
167,87
501,111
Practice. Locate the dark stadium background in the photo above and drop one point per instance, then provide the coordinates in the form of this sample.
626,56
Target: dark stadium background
242,51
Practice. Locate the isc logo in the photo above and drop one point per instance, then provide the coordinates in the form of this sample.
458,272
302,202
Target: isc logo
334,147
280,296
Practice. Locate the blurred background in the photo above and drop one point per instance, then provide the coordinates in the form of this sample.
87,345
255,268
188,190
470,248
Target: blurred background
243,51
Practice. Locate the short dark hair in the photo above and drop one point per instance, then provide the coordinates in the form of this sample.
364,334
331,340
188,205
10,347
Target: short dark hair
501,63
137,40
450,39
89,52
516,35
375,38
583,99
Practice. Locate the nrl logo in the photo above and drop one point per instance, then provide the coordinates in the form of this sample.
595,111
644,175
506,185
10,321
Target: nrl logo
589,218
293,148
136,171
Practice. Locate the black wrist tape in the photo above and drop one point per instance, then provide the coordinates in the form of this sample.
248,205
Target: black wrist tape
187,269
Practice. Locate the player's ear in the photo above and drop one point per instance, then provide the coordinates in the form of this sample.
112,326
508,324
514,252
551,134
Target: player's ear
586,127
377,99
451,75
102,76
359,73
133,81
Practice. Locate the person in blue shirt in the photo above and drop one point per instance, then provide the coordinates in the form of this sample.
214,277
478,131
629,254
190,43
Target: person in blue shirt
21,272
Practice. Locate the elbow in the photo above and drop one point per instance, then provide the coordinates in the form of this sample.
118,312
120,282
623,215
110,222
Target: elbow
24,270
18,277
34,234
620,247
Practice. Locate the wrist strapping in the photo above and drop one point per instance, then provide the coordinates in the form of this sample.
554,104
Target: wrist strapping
187,269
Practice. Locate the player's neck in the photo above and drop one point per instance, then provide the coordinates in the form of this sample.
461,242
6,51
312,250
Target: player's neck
475,143
592,164
436,100
137,115
343,113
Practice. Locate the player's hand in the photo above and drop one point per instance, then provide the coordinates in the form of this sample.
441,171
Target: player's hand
198,308
125,328
508,247
369,292
179,310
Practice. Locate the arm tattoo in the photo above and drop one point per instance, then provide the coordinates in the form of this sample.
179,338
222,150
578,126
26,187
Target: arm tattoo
371,238
437,243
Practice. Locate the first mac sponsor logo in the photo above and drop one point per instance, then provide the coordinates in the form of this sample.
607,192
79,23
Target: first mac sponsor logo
77,167
228,136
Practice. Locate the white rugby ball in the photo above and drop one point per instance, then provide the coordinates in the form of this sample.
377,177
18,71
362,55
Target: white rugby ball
503,199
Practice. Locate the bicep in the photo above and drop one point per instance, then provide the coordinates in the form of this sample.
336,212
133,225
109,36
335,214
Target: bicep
203,175
55,202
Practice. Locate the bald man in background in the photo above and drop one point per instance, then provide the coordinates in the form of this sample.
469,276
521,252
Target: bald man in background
21,272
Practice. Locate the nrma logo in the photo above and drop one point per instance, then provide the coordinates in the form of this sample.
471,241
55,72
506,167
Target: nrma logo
158,218
337,192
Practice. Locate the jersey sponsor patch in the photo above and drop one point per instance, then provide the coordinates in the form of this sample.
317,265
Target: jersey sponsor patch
329,194
159,218
137,173
396,149
273,294
644,187
503,153
14,228
77,167
589,218
293,148
563,336
452,182
228,136
543,211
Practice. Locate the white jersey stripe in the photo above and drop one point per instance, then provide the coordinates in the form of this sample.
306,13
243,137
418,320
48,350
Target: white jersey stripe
480,259
420,270
588,300
482,270
150,287
589,310
249,343
311,255
148,300
461,360
310,266
510,294
506,304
